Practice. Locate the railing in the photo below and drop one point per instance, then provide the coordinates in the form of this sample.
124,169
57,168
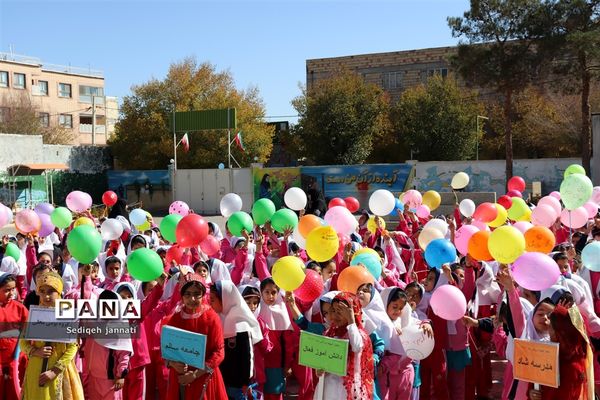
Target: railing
87,128
96,73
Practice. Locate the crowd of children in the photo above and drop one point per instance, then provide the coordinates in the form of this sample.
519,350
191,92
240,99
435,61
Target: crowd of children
253,327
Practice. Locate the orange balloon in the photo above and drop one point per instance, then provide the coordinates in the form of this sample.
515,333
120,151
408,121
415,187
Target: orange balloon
539,239
307,223
478,246
352,277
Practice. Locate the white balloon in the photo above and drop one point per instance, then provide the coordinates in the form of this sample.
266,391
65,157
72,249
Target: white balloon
111,229
438,225
382,202
467,207
295,199
460,181
298,238
416,343
138,217
230,203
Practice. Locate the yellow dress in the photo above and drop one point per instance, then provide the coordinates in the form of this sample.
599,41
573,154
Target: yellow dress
67,384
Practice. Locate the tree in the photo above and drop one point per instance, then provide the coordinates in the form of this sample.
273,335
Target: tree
499,52
144,140
438,120
23,118
339,119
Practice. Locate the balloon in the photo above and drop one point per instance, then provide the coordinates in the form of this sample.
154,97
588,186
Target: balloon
432,199
596,194
168,225
175,253
298,238
522,226
382,202
438,224
427,235
478,246
284,219
506,244
27,221
501,218
109,198
440,252
514,193
505,201
480,225
46,228
543,215
44,208
516,183
146,225
221,166
574,219
311,288
191,230
372,226
535,271
111,229
336,202
4,215
138,217
552,202
370,261
399,205
462,237
144,265
230,203
13,251
84,243
307,223
341,219
485,212
423,211
591,208
412,198
179,207
575,191
263,210
295,199
84,221
555,194
365,250
416,343
574,169
78,201
459,181
288,273
61,217
518,209
238,222
210,245
351,278
539,239
590,256
467,207
322,244
448,302
352,204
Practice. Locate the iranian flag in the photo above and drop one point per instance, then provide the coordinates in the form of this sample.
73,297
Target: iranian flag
185,142
239,142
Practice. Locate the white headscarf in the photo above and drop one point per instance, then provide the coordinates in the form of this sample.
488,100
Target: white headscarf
170,285
236,316
403,321
218,270
9,265
510,344
487,290
146,240
326,298
275,316
216,231
375,319
120,342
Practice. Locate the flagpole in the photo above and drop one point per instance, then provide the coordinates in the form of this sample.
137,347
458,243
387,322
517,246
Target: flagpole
174,155
228,141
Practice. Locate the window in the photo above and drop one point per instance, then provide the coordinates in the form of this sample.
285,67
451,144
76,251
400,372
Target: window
45,119
4,114
65,120
19,81
43,88
3,79
393,80
86,93
64,90
438,71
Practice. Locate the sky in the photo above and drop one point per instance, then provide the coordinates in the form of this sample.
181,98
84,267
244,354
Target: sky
264,44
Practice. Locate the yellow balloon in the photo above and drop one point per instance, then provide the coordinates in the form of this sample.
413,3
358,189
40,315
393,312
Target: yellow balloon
526,216
427,235
322,244
288,273
372,226
501,218
401,197
506,244
432,199
84,221
365,250
146,225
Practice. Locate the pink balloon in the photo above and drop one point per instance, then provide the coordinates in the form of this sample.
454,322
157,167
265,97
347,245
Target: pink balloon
543,215
27,221
78,201
591,208
4,215
596,195
482,226
341,219
462,236
423,211
514,193
448,302
47,226
552,202
412,198
311,288
210,245
555,194
344,240
535,271
522,226
179,207
574,219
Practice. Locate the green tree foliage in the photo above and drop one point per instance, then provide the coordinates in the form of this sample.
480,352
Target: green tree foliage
438,120
340,118
143,139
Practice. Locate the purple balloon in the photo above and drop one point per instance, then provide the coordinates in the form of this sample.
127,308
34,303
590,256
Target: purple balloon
47,227
535,271
44,208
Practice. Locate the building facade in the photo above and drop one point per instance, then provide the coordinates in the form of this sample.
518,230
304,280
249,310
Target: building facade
66,96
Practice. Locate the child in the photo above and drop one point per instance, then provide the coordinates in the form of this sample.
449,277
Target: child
112,273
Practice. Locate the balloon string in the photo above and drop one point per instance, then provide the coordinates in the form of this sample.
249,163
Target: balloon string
570,228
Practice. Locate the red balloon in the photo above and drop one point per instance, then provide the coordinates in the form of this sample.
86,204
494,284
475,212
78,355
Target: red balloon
175,253
516,183
311,288
210,246
485,212
505,201
109,198
514,193
352,204
191,230
336,201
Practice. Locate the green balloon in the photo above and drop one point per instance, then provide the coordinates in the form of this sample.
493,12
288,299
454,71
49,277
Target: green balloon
168,225
575,191
84,243
284,219
262,211
144,265
518,209
61,217
574,169
238,222
13,251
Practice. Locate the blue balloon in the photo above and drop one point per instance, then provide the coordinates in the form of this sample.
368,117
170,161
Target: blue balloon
590,256
371,262
399,206
440,252
221,166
